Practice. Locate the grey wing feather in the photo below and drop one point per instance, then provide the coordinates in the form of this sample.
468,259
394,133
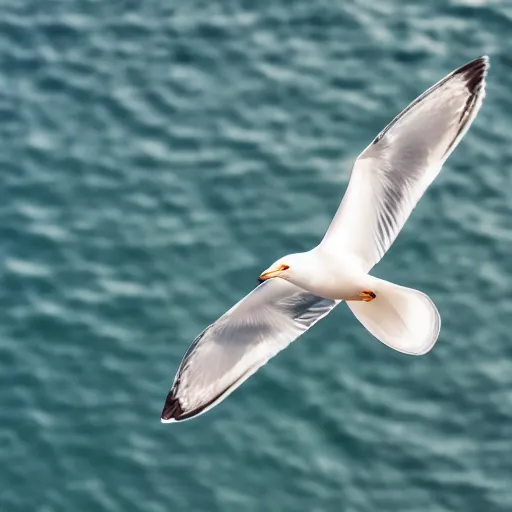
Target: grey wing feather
393,172
229,351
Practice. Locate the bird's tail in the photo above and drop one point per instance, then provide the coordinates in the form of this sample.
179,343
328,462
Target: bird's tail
402,318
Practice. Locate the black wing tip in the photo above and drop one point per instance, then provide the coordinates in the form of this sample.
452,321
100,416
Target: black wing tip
474,73
172,410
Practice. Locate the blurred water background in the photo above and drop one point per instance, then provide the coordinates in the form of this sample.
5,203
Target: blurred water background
155,156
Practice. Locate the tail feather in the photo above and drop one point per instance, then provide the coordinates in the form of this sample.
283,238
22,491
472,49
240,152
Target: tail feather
402,318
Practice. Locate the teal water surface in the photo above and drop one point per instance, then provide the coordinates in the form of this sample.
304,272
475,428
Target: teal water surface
157,155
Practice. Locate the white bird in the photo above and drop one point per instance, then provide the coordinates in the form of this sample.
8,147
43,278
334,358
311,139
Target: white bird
388,179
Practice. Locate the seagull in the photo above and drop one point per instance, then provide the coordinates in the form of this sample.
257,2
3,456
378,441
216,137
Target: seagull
387,181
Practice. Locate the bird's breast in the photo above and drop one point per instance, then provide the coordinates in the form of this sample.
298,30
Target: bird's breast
339,280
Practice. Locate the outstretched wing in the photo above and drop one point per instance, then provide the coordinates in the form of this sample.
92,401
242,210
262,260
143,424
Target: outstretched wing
392,173
229,351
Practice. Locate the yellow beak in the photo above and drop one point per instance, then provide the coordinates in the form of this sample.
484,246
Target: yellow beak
269,275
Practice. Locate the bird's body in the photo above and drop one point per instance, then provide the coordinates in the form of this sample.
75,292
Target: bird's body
337,276
388,179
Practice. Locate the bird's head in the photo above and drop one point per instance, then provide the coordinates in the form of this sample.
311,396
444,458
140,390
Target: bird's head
287,268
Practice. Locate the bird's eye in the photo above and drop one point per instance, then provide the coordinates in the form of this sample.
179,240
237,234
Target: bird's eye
284,267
